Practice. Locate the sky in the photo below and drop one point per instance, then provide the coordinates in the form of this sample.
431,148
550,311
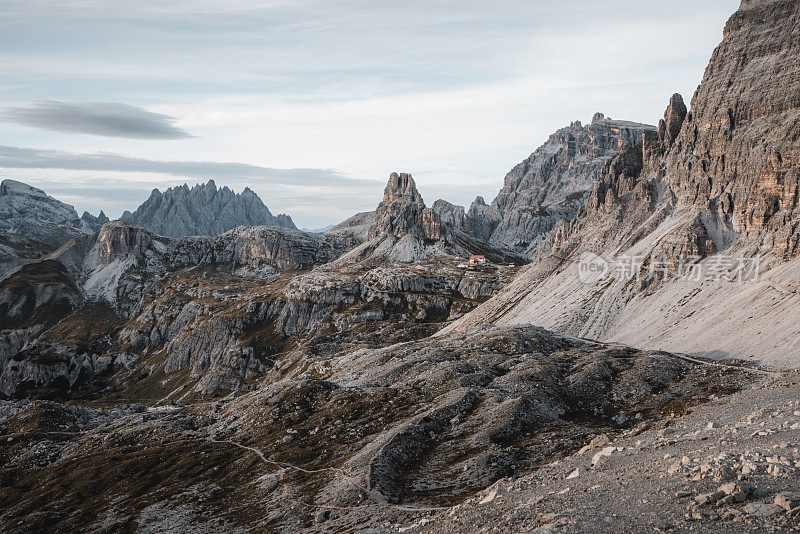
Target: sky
312,104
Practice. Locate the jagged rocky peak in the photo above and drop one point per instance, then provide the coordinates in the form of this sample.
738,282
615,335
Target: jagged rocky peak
27,212
402,211
203,210
567,165
20,200
451,214
401,188
120,239
553,183
670,126
91,221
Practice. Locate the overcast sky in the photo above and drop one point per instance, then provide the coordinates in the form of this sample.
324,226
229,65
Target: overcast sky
313,104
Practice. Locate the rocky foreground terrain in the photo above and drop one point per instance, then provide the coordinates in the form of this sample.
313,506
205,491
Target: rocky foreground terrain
202,367
730,465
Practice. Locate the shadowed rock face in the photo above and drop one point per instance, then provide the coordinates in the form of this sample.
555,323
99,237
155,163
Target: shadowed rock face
19,200
203,210
31,219
670,126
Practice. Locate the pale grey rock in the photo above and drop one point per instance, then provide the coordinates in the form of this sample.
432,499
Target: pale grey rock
203,210
482,219
22,201
451,214
550,187
555,181
403,212
404,229
356,227
788,501
760,509
670,126
28,213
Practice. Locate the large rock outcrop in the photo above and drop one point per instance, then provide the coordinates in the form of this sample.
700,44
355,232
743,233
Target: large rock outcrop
737,154
404,229
203,210
713,191
29,213
549,187
403,212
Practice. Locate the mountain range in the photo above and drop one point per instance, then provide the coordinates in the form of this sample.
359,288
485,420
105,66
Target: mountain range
203,210
625,359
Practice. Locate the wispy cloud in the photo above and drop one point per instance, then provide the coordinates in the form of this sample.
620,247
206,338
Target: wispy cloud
37,158
114,183
451,91
96,118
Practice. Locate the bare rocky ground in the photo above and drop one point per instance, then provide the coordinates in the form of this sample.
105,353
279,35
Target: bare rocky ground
269,380
731,465
392,439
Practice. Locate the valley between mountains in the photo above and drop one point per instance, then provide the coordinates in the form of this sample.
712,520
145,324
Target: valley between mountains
201,365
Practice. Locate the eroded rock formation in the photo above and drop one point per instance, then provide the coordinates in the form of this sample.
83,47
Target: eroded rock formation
203,210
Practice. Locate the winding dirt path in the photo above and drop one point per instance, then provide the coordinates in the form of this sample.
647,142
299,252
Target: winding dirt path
376,496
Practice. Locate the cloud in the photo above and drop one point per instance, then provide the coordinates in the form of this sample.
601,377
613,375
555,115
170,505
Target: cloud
96,118
36,158
114,183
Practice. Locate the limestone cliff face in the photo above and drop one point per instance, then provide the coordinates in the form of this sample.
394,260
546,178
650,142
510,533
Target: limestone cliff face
203,210
121,239
731,164
715,182
737,154
451,214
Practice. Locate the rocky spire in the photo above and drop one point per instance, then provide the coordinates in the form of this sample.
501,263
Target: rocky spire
401,188
670,126
402,211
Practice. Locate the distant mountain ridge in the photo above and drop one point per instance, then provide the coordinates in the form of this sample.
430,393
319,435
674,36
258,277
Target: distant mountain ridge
203,210
26,211
550,186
